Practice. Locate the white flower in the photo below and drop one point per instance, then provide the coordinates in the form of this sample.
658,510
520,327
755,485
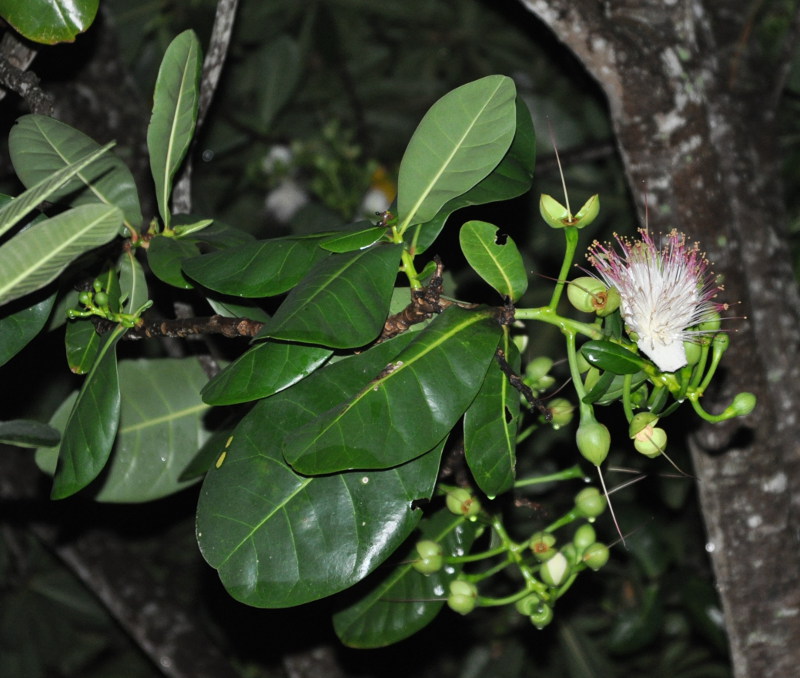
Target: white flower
663,292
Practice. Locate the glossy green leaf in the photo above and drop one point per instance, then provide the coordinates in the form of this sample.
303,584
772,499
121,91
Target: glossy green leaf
512,177
37,255
256,270
225,307
405,407
174,114
166,257
132,282
40,146
397,604
25,433
19,325
606,355
209,452
92,424
280,539
279,65
459,141
265,369
17,209
494,257
160,430
609,387
342,302
82,344
490,427
49,21
358,240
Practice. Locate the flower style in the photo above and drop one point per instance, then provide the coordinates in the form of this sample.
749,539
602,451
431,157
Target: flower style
663,292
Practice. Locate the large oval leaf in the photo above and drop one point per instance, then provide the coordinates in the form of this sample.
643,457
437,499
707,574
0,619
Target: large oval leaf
400,604
26,433
174,114
342,302
256,270
606,355
49,21
512,177
92,424
459,141
405,406
18,326
37,255
160,430
40,146
494,258
265,369
490,428
280,539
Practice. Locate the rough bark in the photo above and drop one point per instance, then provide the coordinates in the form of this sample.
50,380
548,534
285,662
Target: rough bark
693,106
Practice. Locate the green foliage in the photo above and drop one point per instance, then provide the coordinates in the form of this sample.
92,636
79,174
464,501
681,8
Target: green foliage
49,21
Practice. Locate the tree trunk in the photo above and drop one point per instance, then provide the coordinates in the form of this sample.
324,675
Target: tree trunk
693,103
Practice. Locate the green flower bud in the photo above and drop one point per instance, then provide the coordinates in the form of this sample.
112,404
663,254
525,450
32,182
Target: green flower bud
720,342
584,536
528,604
85,298
555,571
570,553
596,555
611,303
462,503
587,294
463,596
589,502
588,213
542,616
538,367
594,441
561,412
542,546
744,403
97,284
712,322
431,557
650,441
101,299
693,352
640,422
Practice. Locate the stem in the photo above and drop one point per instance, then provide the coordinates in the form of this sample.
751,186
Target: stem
474,557
571,235
626,396
547,315
567,474
483,601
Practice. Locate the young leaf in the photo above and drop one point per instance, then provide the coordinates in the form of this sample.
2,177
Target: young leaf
261,269
265,369
40,146
18,326
512,177
92,424
342,302
490,428
498,263
34,257
401,603
132,282
459,141
407,405
280,539
174,114
606,355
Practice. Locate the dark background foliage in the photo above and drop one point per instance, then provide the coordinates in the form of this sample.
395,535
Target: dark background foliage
80,584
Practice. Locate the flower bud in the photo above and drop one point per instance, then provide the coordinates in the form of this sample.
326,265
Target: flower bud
561,412
693,352
651,441
720,342
594,441
431,557
553,212
85,297
542,546
587,294
712,322
538,367
744,403
596,555
463,596
542,616
462,503
589,502
528,604
555,571
584,536
611,303
588,213
640,422
570,553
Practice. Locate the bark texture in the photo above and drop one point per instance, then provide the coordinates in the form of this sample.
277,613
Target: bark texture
693,104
